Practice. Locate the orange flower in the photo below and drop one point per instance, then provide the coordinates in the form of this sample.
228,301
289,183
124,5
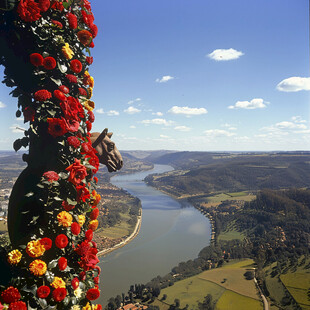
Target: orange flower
85,37
93,225
81,220
38,267
14,257
64,219
89,105
89,92
58,283
95,198
35,248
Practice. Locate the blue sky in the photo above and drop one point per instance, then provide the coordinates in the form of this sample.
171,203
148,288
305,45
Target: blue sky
197,75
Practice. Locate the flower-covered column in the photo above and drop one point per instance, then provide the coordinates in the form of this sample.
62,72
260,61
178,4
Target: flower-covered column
45,49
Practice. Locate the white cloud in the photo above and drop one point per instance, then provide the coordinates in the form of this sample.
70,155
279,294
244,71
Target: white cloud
298,119
2,105
290,125
157,121
134,100
158,113
164,79
225,54
294,84
187,111
256,103
113,113
218,133
132,110
17,129
182,128
100,111
132,126
164,137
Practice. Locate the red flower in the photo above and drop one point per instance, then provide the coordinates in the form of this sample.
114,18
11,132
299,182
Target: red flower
28,10
64,89
71,78
82,276
57,23
85,37
75,283
82,92
19,305
59,95
82,193
89,60
67,207
88,126
11,294
73,141
94,161
94,30
42,95
89,260
72,19
77,172
49,63
76,66
43,291
29,114
89,235
75,228
47,243
92,294
36,59
92,45
59,294
94,214
83,248
99,269
96,179
57,6
91,116
62,263
44,5
61,241
51,176
56,127
96,280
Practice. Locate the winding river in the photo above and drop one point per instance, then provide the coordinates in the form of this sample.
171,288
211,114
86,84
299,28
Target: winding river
169,234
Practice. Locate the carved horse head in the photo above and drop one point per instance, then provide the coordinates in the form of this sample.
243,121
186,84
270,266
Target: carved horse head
108,153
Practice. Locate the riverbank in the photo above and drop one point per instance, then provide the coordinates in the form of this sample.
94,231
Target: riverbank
133,235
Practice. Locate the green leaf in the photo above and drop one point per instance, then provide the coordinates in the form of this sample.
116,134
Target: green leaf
52,264
40,185
57,199
49,276
56,81
17,145
71,202
43,303
29,194
66,301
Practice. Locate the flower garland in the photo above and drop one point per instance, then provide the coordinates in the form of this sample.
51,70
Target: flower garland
56,268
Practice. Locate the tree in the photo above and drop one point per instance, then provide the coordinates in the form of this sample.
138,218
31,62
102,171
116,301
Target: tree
249,275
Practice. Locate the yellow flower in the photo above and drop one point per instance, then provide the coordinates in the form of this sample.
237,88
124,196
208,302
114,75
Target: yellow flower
81,220
58,283
87,307
77,292
95,307
64,219
67,51
93,225
38,267
75,307
35,248
89,105
14,257
89,92
91,82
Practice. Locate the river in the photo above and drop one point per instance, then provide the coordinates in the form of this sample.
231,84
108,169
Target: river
169,234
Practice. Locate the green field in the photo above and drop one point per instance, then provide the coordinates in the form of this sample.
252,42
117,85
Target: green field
298,284
231,235
230,196
233,301
226,285
120,230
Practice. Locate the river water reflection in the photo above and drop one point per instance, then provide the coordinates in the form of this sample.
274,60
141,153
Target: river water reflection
169,234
